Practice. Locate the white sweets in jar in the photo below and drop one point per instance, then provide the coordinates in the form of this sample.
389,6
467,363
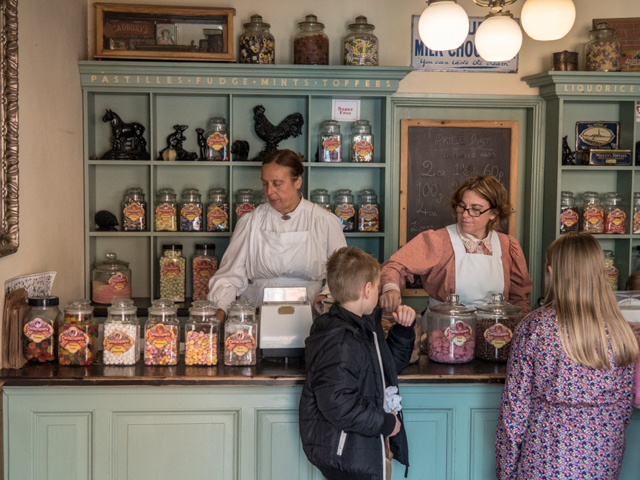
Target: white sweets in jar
121,334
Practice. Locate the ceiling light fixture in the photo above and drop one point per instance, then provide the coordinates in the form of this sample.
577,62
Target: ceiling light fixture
444,25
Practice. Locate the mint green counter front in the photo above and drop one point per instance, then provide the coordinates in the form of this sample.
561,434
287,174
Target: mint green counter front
174,423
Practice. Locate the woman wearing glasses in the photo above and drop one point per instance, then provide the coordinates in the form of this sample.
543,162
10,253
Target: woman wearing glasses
470,258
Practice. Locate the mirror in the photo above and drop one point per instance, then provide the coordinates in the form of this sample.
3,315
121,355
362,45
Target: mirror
9,126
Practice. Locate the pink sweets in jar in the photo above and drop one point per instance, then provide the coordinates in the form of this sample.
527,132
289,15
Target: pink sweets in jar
451,331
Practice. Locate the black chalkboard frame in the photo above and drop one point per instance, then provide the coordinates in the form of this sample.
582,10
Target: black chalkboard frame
407,190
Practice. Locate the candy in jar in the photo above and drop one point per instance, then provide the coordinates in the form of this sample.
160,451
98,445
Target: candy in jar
603,52
134,211
121,343
217,211
496,323
40,329
451,335
636,212
111,280
201,334
161,334
360,46
204,266
257,45
190,211
245,202
615,219
311,44
217,140
361,142
345,209
592,213
78,333
172,273
569,215
330,142
368,211
320,196
240,334
166,211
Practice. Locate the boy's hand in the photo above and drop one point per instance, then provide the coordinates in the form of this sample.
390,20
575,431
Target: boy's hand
396,429
390,300
404,315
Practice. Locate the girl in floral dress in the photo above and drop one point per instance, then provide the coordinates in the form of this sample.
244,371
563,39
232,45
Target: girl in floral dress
570,378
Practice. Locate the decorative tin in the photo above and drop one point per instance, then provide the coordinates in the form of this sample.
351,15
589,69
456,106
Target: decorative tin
605,157
600,135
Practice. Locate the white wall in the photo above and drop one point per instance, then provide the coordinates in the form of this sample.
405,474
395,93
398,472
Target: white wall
55,34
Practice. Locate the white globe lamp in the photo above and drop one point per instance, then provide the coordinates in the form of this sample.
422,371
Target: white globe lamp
443,25
498,38
548,19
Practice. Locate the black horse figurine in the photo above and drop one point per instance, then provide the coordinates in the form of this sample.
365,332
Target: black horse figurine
127,141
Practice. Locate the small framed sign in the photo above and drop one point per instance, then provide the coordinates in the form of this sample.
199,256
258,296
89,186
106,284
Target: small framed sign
345,110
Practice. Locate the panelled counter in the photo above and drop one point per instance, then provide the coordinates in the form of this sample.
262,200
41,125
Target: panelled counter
142,423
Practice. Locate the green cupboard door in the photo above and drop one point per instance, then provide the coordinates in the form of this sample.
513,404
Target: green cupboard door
631,461
483,442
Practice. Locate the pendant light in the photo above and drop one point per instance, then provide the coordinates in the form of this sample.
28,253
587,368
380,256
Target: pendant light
548,19
498,38
443,25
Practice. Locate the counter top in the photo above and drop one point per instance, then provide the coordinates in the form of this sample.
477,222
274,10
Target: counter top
268,372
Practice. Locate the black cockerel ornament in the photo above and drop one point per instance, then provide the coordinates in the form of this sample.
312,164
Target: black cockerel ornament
272,135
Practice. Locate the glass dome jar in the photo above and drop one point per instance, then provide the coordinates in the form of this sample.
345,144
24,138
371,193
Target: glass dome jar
330,145
166,211
361,142
217,140
190,211
77,334
40,329
111,279
592,213
121,343
320,196
603,52
615,214
257,45
496,321
218,211
172,273
360,46
161,334
204,266
569,217
201,334
245,203
241,334
451,331
310,44
368,211
636,212
134,211
345,209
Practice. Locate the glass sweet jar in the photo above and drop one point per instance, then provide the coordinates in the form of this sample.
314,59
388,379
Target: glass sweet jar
172,273
201,334
361,142
204,265
360,46
241,334
320,196
245,202
451,331
134,211
615,214
218,211
368,211
569,215
190,211
592,213
166,211
161,334
121,342
330,146
257,45
603,52
636,212
77,334
40,329
217,148
111,280
345,209
495,324
310,43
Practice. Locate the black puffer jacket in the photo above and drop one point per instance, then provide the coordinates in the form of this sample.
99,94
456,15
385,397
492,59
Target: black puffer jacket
342,419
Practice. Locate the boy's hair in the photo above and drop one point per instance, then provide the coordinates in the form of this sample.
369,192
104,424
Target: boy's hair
587,311
633,282
349,269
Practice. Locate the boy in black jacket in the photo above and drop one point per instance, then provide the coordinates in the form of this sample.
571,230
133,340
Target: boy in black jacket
343,422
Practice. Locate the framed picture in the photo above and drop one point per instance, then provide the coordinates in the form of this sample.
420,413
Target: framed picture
165,34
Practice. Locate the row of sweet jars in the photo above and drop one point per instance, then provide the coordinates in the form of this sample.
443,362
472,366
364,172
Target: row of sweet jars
606,213
310,43
172,267
361,217
330,145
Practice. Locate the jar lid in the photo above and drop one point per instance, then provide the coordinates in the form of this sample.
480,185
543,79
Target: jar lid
79,307
362,126
320,195
172,246
162,306
217,191
452,307
498,306
311,21
190,193
256,22
566,194
205,246
166,193
367,195
111,263
217,121
43,301
203,307
361,22
603,27
241,306
122,306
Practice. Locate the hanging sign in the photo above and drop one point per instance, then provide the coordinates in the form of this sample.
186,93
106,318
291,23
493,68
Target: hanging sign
463,59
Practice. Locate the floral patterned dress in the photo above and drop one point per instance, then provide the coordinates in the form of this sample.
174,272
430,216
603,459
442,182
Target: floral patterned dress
559,419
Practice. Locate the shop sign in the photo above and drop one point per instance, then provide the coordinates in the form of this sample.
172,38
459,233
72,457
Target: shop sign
463,59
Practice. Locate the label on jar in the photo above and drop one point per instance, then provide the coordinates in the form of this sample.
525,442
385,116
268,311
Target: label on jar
243,208
118,343
345,211
498,335
363,150
369,218
615,221
133,211
593,215
165,211
217,218
73,339
38,330
190,211
613,274
217,141
203,266
330,143
160,336
171,269
569,218
458,333
119,281
240,343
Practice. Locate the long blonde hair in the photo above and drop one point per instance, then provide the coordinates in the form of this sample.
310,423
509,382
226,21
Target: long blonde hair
585,305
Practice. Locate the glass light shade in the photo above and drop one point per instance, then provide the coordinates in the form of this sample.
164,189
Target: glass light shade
548,19
443,25
498,38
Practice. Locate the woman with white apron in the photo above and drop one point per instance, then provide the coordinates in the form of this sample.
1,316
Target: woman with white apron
284,242
469,258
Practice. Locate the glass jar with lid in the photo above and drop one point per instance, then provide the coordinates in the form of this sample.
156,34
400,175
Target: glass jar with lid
636,213
320,196
217,140
615,214
592,213
111,280
345,209
172,273
310,44
451,331
612,272
218,211
241,334
121,334
134,211
569,216
368,211
77,334
190,211
360,46
361,142
257,45
40,329
161,334
166,211
330,146
201,334
495,324
603,52
204,266
245,203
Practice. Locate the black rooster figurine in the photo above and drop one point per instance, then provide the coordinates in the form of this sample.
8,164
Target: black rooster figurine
290,126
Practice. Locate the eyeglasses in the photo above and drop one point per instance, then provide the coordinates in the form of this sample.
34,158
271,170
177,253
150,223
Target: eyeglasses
473,212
